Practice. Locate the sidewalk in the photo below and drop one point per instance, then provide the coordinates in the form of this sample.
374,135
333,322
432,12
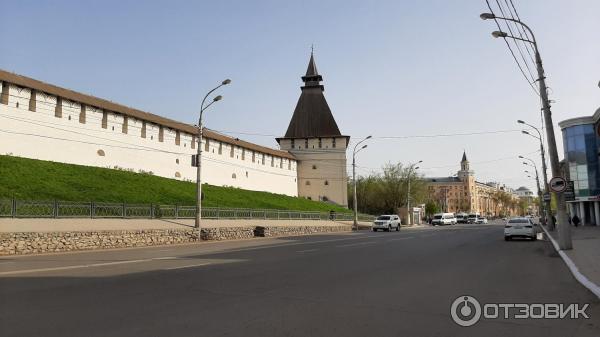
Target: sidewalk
585,254
10,225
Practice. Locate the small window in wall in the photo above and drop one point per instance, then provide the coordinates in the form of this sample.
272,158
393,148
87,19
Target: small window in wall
243,154
263,159
289,164
333,143
293,143
70,118
177,137
306,143
18,107
231,152
177,161
253,156
101,153
314,167
309,198
320,143
113,128
220,148
206,144
233,176
326,182
151,137
272,161
246,174
307,183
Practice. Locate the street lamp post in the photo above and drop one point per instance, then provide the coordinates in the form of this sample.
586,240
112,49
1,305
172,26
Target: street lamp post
564,231
411,167
549,219
537,180
199,154
355,201
545,210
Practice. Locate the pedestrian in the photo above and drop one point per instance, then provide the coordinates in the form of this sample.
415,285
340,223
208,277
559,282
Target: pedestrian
576,220
553,219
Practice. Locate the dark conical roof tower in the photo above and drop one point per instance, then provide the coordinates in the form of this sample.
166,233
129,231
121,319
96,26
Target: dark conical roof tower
312,117
464,158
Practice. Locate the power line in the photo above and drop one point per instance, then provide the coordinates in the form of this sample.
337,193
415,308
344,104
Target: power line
511,51
517,43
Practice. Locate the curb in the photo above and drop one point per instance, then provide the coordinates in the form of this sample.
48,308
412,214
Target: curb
591,286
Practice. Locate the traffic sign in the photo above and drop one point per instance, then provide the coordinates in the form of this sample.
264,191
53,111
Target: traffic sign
558,184
570,191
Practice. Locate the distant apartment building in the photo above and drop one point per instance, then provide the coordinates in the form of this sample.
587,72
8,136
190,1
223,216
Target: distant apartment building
463,193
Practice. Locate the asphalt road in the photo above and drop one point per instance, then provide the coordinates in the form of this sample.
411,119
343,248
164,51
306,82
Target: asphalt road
352,284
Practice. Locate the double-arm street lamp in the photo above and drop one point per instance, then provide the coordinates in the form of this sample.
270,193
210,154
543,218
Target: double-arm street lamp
355,201
411,168
564,231
199,153
549,219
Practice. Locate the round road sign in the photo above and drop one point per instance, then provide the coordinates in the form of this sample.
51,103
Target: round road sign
558,184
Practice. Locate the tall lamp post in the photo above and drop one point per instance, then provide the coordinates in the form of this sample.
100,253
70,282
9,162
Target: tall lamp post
545,210
549,219
355,201
537,180
199,153
564,231
411,167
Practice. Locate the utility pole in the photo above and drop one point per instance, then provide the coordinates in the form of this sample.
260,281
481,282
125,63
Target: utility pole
564,231
199,155
550,220
411,167
354,199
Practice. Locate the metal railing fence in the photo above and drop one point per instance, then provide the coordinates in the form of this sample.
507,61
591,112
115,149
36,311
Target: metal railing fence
12,208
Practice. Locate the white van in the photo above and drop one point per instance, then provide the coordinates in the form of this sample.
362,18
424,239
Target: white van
444,219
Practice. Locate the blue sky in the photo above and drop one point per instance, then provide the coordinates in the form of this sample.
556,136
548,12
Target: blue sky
390,68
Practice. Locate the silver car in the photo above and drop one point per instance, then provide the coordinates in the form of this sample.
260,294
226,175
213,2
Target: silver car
387,223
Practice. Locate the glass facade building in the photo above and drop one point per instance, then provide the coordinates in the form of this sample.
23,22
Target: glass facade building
581,152
581,144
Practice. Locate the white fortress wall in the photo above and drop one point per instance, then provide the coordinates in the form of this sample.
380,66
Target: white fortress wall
74,135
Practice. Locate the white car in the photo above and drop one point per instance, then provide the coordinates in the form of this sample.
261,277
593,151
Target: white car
482,220
387,223
519,227
443,219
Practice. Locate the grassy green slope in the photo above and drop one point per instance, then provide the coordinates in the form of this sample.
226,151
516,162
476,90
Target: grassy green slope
29,179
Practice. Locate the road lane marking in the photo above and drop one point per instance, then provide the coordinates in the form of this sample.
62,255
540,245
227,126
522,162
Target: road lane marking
307,250
40,270
357,244
396,239
188,266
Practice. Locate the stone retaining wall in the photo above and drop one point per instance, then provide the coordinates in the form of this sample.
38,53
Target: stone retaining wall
49,242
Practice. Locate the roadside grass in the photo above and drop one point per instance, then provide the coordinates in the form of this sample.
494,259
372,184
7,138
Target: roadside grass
30,179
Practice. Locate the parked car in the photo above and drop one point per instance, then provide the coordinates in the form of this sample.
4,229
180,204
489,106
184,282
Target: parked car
387,223
482,220
519,227
462,217
443,219
473,218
